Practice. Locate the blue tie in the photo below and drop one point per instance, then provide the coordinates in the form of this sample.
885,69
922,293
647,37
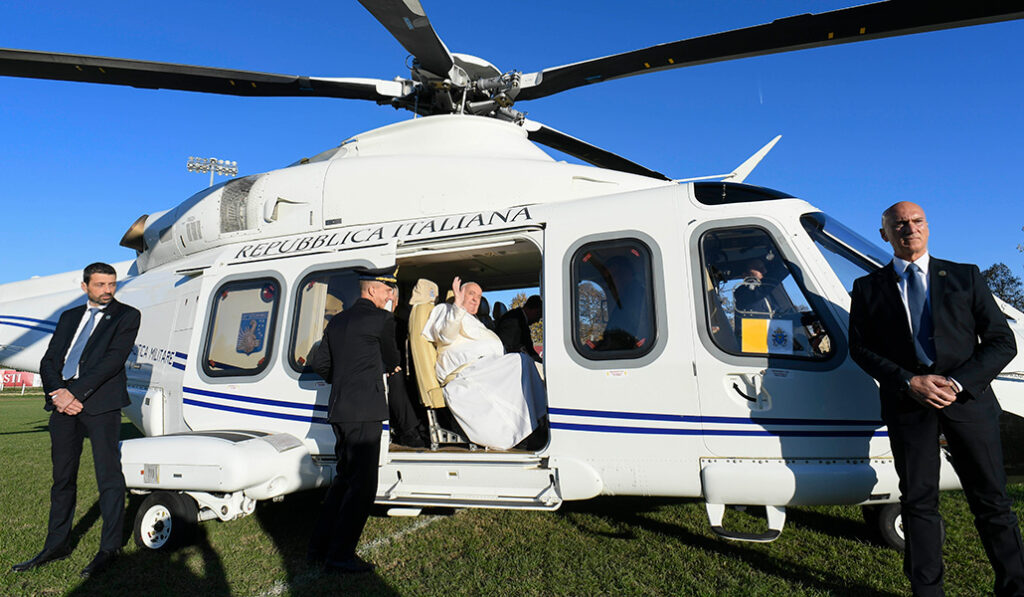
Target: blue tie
920,313
75,354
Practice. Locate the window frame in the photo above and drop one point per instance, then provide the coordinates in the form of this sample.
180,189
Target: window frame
297,304
653,295
269,338
817,299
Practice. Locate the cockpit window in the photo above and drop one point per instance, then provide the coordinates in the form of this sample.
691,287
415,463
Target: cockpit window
849,254
755,305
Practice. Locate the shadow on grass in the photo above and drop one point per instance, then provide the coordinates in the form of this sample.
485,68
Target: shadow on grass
833,526
146,572
41,428
289,524
632,513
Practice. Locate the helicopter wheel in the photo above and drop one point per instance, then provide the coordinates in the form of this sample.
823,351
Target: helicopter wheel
166,521
888,522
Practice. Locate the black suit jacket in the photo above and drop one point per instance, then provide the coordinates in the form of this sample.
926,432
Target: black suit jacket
972,339
514,331
101,384
357,348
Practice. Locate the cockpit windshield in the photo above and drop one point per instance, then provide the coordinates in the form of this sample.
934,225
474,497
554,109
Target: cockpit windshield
850,254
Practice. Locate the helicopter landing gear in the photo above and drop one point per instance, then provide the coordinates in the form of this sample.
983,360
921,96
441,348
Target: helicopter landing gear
166,520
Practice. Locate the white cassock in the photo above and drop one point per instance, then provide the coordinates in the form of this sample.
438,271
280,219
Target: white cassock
497,398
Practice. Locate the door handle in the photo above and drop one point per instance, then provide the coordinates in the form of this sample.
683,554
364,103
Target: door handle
736,387
750,380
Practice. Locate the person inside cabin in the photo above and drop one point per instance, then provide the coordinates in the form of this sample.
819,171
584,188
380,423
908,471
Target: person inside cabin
404,421
498,399
484,314
628,324
514,328
752,296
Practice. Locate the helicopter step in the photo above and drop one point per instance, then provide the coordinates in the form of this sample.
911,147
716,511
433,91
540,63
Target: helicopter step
776,516
480,480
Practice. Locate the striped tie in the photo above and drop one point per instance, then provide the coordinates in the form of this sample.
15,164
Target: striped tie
75,354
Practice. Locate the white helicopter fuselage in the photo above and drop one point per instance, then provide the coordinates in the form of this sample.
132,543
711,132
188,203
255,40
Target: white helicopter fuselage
691,413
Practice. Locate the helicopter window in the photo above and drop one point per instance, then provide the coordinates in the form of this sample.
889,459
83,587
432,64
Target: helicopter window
849,254
614,304
755,305
241,328
721,193
319,297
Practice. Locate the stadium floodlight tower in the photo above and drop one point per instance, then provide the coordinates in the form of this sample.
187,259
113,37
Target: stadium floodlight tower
213,166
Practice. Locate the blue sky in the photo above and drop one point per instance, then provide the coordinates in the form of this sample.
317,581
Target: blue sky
936,118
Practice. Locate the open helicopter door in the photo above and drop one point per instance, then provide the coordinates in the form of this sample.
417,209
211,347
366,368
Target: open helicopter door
787,418
260,316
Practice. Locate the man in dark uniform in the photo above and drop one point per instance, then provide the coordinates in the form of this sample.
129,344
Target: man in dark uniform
358,347
929,331
514,328
406,428
86,387
753,295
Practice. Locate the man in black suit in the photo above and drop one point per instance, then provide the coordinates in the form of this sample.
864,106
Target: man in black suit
514,328
357,348
930,333
86,387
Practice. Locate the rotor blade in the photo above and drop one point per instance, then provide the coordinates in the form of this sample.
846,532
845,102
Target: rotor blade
162,75
408,23
591,154
859,23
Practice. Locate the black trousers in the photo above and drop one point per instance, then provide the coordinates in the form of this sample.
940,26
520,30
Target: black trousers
972,433
402,415
66,435
350,497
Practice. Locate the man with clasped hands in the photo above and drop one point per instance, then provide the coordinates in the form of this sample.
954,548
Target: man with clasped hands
929,331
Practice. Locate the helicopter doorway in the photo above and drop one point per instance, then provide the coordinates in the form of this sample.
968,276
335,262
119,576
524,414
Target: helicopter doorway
495,399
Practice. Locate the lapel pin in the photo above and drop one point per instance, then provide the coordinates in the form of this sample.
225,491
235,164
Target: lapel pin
942,272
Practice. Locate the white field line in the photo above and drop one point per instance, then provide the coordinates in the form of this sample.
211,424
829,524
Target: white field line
376,544
283,588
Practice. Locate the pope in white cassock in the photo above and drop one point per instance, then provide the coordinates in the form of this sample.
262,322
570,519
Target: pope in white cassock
497,398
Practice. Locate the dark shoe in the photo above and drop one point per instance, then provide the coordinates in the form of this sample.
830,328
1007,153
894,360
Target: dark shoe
412,440
44,557
353,565
99,563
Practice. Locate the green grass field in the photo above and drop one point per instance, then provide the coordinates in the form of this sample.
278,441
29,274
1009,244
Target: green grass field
606,546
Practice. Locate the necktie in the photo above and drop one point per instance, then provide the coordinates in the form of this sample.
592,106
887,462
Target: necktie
920,313
71,363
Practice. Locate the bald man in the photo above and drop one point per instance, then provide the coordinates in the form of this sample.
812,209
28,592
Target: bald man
930,333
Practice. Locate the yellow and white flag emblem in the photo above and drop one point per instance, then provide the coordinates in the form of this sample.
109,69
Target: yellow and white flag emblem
772,336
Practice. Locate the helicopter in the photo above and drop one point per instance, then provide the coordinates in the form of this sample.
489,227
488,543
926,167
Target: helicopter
689,408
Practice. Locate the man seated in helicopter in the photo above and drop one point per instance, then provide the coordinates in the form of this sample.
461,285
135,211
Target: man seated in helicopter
498,399
762,294
753,296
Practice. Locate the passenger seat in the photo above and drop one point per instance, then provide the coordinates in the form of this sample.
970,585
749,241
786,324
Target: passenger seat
424,359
